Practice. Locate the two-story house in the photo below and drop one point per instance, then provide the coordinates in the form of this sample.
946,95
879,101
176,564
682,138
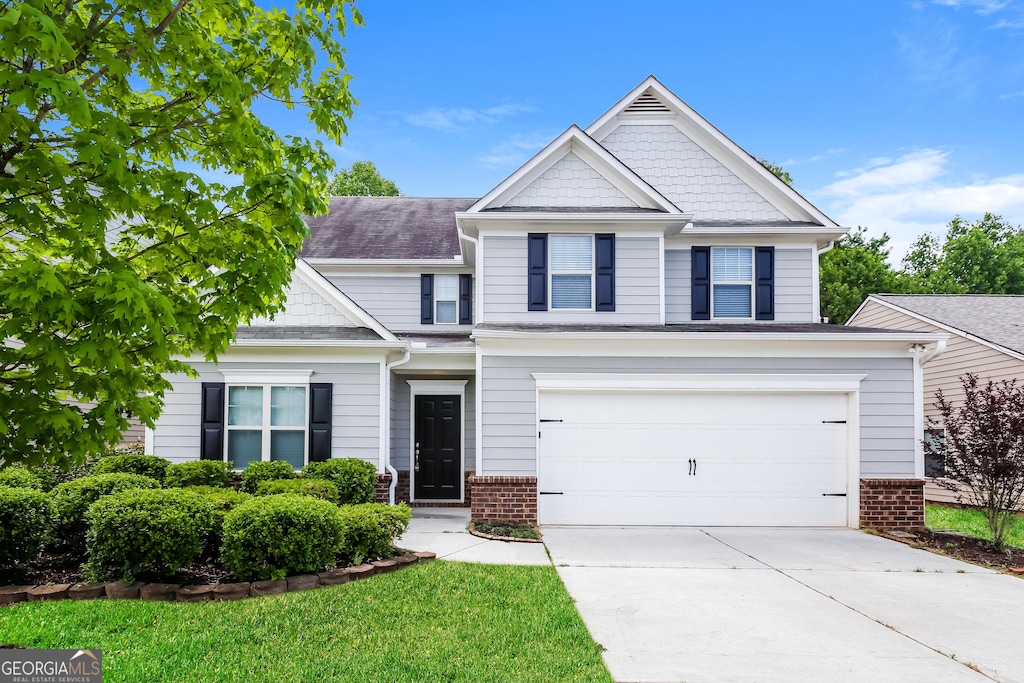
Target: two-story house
624,331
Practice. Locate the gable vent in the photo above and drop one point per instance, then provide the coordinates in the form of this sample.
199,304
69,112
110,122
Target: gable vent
647,104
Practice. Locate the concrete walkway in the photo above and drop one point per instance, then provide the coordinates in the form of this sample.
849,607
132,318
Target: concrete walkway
443,531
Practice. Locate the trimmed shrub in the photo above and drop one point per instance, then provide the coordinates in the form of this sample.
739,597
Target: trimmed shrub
265,471
318,488
130,463
224,501
274,536
371,529
18,477
72,500
25,516
199,473
146,532
356,479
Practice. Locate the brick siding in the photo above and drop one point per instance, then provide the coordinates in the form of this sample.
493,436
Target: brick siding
504,499
895,504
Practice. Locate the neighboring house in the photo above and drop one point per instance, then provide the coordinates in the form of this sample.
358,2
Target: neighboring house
624,331
986,337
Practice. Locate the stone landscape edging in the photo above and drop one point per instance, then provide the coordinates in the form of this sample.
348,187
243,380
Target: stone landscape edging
217,592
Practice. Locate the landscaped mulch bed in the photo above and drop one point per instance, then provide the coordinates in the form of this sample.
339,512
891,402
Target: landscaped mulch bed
966,548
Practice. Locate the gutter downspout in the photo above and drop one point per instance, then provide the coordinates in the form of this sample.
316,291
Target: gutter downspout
934,351
406,355
921,354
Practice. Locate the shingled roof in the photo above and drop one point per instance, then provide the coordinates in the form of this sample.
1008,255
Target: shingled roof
996,318
386,228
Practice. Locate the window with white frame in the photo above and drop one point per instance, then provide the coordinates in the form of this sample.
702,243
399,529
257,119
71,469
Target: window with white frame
571,265
266,422
732,282
446,299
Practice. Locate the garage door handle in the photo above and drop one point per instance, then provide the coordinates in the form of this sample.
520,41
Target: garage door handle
550,493
836,495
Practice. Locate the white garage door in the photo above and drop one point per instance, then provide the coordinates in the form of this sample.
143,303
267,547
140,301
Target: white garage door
766,459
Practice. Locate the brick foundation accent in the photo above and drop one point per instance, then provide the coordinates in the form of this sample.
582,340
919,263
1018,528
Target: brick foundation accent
504,499
895,504
383,484
402,491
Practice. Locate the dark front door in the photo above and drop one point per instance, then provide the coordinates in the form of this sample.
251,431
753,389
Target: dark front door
437,445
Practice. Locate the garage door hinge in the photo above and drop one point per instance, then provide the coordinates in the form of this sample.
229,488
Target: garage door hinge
833,422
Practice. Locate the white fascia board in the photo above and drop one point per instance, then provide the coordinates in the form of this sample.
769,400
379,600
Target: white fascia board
718,145
792,241
728,382
822,237
297,354
346,306
818,337
653,223
431,363
321,343
703,347
575,140
936,323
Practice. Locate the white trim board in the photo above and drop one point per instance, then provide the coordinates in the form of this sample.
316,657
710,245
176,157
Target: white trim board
440,387
350,309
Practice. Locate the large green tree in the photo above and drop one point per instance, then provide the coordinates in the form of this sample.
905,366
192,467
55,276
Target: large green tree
985,256
362,179
118,252
855,267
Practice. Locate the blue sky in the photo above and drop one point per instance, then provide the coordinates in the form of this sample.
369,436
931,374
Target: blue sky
893,114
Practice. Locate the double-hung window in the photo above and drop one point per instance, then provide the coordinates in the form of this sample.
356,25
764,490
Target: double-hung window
572,271
446,299
935,461
266,422
732,280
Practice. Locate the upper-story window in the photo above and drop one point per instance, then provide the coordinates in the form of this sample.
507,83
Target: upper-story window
572,271
446,299
732,282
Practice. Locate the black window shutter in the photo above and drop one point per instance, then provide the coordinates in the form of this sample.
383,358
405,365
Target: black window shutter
211,430
764,283
700,283
320,421
604,247
538,272
426,299
465,299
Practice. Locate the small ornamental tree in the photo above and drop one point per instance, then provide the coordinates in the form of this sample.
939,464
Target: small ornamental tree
984,448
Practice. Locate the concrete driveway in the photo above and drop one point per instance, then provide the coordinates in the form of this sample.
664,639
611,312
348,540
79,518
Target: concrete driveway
728,604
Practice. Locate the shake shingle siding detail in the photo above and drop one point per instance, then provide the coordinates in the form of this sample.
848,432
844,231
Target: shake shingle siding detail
509,402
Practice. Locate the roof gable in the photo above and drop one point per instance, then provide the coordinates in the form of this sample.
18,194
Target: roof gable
997,320
574,171
313,302
691,162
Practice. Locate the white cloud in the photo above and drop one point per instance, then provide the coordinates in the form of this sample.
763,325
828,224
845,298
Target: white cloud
913,194
828,153
460,118
983,7
515,150
1011,95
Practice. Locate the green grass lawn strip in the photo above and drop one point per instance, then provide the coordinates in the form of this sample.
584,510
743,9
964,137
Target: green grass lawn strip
435,622
971,522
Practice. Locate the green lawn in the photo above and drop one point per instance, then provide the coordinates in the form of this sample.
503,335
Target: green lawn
435,622
971,522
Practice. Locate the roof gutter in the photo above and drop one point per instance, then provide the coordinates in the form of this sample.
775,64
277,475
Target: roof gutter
406,355
913,337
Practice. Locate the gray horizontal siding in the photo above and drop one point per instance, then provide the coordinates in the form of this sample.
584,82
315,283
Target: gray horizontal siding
356,403
637,288
508,395
394,300
401,426
794,286
678,268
